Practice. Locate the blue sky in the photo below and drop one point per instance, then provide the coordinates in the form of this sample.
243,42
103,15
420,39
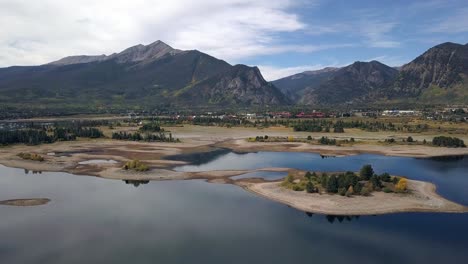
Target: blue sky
393,32
282,37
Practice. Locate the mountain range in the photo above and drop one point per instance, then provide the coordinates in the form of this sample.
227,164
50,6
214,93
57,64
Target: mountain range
438,76
159,76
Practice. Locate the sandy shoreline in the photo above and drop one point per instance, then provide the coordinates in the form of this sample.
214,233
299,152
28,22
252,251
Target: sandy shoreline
423,198
67,156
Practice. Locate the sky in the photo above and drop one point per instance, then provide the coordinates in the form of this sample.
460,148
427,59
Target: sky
281,37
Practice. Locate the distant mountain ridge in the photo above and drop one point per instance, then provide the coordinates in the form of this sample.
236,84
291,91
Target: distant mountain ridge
136,53
439,75
154,75
159,76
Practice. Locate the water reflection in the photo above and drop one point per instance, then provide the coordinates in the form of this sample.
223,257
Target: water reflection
446,158
26,171
199,158
136,183
94,220
340,218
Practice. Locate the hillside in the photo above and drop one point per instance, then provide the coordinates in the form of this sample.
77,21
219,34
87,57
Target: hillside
149,76
356,83
438,76
295,86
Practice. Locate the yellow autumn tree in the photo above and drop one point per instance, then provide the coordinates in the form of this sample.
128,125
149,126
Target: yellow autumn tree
291,139
402,185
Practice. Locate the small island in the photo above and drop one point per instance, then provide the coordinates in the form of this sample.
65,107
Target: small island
349,193
25,202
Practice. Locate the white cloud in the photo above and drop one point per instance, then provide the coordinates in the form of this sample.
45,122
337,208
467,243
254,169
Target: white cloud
457,23
35,32
272,73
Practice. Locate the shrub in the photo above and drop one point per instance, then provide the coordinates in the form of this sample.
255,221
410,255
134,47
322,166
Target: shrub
297,188
385,177
31,156
357,188
365,191
342,191
332,184
410,139
448,142
366,172
387,190
308,175
375,182
289,178
135,165
402,185
310,188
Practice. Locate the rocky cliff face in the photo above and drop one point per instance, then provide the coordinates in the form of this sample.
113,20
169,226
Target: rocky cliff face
240,85
443,66
439,75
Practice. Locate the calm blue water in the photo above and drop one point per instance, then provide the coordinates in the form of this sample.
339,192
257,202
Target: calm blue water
267,175
93,220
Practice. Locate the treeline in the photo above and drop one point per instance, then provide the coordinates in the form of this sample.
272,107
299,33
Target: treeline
69,134
216,121
453,142
39,136
27,136
321,125
151,127
148,137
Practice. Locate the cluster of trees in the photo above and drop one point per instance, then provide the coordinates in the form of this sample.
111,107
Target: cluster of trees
26,136
151,127
135,165
315,125
41,135
259,139
327,141
216,121
348,183
443,141
71,133
148,137
319,125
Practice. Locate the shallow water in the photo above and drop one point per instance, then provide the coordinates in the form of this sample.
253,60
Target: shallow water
98,161
93,220
266,175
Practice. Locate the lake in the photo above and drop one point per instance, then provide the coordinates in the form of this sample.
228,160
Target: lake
93,220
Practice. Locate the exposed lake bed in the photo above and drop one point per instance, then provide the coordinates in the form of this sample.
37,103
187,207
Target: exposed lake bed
203,196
